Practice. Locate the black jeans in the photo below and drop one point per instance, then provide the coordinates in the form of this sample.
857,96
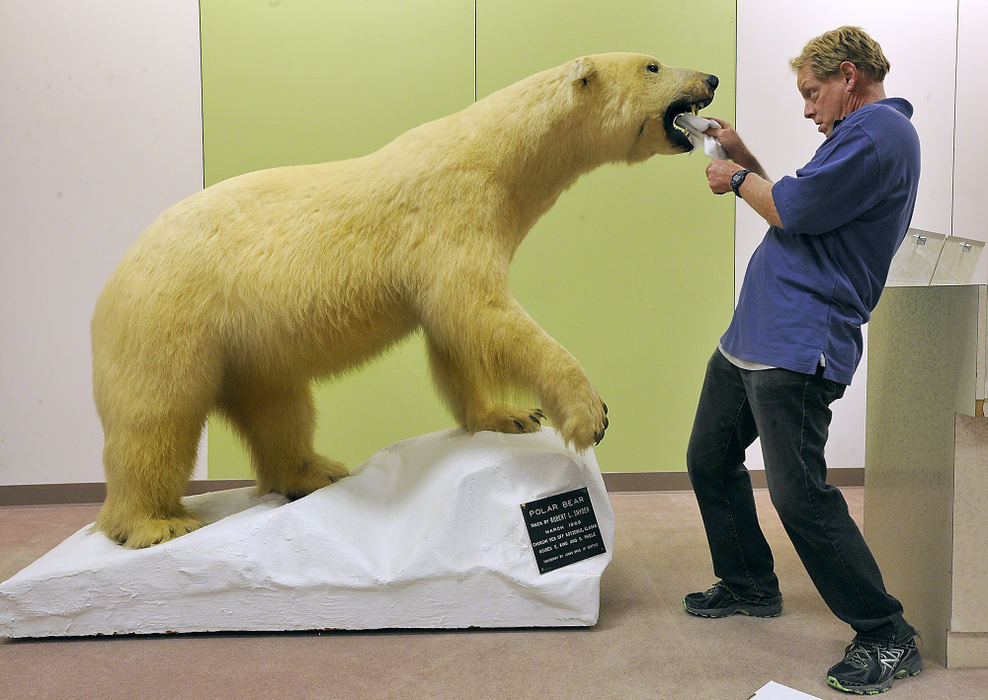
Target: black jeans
790,413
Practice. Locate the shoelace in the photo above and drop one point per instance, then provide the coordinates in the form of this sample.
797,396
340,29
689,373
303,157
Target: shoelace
857,654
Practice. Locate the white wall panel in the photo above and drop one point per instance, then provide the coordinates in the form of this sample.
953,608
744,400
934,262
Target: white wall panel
919,41
971,142
101,132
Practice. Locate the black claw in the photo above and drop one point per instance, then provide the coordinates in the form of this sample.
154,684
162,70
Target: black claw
535,419
606,423
519,425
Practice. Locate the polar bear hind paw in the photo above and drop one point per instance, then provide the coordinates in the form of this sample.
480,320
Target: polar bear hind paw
312,474
145,532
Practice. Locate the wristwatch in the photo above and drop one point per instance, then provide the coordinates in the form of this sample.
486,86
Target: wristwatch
736,180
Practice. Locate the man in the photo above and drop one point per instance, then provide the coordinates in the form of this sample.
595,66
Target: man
792,347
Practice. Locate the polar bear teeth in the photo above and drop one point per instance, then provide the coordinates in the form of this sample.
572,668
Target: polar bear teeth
680,128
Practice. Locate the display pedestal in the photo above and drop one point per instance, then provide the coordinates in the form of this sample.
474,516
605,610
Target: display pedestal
926,459
428,533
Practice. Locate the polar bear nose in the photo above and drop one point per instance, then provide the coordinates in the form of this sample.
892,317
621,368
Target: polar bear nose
712,81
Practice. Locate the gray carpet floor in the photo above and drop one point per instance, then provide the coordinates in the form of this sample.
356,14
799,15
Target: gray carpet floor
644,645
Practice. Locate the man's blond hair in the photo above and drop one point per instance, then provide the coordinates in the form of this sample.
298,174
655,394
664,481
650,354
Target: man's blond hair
825,53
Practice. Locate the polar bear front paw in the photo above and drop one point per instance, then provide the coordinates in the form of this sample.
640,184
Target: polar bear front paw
509,419
586,428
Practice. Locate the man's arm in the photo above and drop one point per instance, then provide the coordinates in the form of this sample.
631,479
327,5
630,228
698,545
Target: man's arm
735,148
756,189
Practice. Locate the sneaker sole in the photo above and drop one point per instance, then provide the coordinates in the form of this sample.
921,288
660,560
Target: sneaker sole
874,689
739,609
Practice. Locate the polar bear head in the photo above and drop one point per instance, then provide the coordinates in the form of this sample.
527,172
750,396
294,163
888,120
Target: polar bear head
632,99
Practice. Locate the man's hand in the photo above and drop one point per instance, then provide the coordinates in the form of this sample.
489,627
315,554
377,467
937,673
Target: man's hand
727,137
719,174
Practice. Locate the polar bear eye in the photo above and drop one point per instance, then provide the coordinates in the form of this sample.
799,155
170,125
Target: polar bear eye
653,68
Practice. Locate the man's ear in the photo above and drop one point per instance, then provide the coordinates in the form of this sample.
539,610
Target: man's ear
581,70
849,73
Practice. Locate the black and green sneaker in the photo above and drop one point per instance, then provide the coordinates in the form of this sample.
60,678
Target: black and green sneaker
718,601
869,669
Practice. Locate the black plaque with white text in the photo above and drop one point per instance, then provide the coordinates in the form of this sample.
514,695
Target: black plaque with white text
563,529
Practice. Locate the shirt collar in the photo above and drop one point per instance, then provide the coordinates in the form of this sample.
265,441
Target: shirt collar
896,103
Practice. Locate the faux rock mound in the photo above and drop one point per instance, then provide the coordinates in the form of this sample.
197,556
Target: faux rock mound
428,533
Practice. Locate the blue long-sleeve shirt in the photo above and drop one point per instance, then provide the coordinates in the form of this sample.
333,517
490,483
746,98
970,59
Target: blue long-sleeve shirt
813,283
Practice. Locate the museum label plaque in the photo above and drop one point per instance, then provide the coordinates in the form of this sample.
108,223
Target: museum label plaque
563,529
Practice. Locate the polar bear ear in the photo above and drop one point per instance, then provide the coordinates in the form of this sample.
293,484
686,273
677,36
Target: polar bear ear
581,70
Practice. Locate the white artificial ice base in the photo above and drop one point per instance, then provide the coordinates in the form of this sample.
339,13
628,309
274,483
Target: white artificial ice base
427,533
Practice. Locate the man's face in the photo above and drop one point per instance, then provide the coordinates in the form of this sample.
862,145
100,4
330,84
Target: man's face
823,100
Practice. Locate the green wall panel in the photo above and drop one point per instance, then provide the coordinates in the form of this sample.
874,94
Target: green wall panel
300,82
632,270
295,81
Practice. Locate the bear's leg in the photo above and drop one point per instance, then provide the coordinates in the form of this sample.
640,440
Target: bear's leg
277,423
505,346
469,396
147,469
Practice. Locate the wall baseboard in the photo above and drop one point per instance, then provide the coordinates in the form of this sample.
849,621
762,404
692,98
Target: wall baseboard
616,482
85,493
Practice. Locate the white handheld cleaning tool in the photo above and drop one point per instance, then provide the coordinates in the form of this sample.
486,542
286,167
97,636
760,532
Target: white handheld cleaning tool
694,126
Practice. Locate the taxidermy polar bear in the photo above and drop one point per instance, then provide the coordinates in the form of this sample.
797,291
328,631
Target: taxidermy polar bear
236,298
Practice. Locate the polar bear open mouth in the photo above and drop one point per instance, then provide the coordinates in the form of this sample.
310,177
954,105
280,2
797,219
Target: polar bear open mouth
677,135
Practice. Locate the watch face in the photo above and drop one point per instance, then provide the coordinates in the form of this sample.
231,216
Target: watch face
737,178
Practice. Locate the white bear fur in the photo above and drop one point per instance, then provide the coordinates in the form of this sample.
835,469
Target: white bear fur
236,298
